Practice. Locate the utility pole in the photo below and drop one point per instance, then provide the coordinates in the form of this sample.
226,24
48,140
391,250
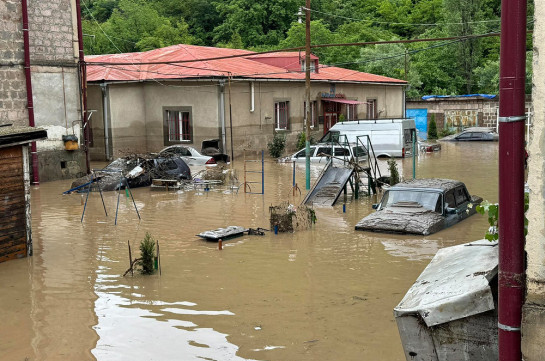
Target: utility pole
307,88
511,270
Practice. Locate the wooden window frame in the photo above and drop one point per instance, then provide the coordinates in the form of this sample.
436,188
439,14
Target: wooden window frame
169,116
279,110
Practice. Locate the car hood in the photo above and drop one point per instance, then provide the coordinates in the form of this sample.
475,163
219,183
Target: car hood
402,220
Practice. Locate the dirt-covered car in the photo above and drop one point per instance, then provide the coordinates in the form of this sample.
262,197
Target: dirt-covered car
421,206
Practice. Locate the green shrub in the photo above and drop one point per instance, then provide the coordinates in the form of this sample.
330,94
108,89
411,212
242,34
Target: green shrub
277,146
301,140
432,131
446,132
394,173
147,254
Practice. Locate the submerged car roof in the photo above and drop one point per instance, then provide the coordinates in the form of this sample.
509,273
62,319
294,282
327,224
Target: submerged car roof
429,183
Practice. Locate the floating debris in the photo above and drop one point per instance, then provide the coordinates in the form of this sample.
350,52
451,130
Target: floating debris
286,217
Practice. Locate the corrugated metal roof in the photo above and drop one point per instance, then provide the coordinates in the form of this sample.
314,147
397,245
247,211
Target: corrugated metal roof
135,67
456,284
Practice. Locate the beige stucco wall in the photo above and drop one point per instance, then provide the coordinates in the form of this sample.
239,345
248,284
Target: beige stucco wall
136,112
533,326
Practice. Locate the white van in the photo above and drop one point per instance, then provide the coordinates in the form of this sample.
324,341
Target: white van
389,137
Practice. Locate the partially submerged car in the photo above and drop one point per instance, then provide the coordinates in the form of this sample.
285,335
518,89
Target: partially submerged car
190,155
136,172
320,153
211,147
420,206
474,134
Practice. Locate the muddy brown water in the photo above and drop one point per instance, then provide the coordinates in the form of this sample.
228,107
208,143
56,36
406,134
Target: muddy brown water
322,294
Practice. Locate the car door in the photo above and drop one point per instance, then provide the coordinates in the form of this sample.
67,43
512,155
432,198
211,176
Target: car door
341,154
451,217
462,200
301,156
464,137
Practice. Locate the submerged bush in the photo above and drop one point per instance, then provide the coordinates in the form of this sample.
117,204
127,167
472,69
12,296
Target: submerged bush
277,146
394,173
147,254
432,131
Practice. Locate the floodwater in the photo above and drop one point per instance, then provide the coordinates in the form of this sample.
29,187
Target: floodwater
322,294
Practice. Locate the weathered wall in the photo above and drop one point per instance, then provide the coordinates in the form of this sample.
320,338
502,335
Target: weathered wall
136,112
533,329
53,57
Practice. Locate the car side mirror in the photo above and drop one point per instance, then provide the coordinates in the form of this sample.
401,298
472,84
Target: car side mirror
375,206
450,210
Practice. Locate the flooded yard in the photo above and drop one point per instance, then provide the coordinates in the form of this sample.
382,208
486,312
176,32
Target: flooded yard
322,294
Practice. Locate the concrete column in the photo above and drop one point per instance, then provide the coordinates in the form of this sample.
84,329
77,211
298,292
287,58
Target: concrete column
533,322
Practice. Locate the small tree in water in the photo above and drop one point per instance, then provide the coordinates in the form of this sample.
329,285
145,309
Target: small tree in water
394,174
276,147
147,254
432,131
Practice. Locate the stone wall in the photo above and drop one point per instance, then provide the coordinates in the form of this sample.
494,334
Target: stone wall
55,84
483,112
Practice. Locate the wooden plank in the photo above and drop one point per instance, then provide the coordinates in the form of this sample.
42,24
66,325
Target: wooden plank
14,199
14,210
11,164
10,179
11,152
12,224
8,189
11,171
20,253
11,239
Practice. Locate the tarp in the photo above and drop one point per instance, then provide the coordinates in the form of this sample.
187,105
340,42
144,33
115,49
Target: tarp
456,284
486,96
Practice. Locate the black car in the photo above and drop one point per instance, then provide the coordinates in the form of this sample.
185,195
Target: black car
420,206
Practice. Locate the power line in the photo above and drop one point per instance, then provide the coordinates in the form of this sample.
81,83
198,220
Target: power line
319,46
398,23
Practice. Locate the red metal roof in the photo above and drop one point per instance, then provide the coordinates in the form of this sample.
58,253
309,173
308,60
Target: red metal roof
136,67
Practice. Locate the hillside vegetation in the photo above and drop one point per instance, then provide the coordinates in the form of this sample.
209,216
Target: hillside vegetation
441,67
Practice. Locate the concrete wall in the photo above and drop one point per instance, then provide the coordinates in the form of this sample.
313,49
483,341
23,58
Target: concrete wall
136,111
53,56
533,329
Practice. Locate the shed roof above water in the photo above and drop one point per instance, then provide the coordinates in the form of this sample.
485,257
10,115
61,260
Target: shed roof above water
456,284
201,62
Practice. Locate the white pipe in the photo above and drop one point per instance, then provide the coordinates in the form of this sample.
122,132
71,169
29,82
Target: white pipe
252,97
222,114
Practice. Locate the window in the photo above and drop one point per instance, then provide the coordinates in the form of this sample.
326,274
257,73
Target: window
312,66
281,115
372,109
323,150
313,112
351,111
342,152
449,199
177,125
461,196
303,154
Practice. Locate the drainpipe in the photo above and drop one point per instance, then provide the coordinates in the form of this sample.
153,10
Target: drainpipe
104,88
30,102
252,97
83,75
222,114
511,178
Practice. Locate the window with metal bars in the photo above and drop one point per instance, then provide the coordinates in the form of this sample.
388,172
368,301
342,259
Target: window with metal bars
281,115
372,109
351,111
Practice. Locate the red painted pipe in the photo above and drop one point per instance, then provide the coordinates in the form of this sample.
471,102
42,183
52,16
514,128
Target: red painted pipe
511,178
83,75
30,102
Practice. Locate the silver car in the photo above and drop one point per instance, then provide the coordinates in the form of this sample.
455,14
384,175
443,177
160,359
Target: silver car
320,153
189,154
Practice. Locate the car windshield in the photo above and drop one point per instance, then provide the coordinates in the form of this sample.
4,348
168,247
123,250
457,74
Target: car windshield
428,199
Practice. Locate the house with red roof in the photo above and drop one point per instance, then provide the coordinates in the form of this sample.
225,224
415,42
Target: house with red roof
184,94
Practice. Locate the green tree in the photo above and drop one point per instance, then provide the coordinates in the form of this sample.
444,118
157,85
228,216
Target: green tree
432,130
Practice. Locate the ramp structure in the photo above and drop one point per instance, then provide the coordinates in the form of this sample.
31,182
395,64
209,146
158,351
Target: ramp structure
329,186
